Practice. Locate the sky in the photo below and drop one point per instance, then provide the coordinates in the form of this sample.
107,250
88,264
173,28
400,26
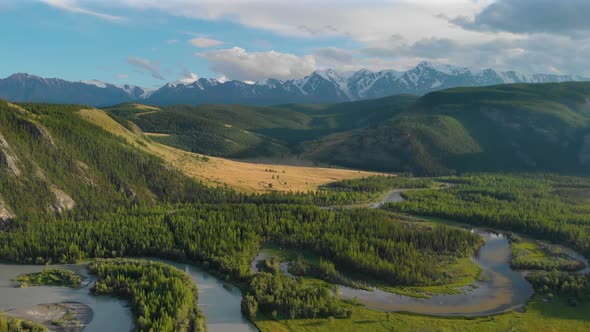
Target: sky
151,42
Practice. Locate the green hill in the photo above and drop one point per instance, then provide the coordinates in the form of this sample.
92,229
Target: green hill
53,162
517,127
254,131
534,127
216,130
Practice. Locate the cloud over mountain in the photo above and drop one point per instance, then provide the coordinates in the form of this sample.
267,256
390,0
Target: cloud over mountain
152,67
239,64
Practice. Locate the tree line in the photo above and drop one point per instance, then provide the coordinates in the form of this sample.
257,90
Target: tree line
226,237
162,297
537,205
17,325
283,297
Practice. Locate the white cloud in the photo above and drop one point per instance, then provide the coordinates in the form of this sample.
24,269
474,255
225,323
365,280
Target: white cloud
74,7
152,67
122,76
203,42
172,41
385,34
364,21
188,77
239,64
222,79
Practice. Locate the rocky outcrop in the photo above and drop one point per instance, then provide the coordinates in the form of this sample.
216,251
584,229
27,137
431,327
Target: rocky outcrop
7,158
40,132
6,216
130,194
83,172
63,202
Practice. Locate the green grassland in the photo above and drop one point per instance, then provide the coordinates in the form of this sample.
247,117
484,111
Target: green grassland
49,277
460,271
535,255
553,316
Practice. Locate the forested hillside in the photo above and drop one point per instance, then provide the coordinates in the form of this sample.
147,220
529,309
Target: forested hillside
515,127
53,162
508,127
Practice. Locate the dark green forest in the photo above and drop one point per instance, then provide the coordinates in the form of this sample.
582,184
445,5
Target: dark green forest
550,207
162,297
285,297
225,238
574,287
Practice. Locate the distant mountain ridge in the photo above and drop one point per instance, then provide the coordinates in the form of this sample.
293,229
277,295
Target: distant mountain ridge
31,88
321,86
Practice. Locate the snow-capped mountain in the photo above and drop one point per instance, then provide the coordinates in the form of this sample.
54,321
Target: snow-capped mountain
321,86
324,86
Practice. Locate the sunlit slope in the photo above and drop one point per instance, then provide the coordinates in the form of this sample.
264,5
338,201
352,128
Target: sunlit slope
53,162
244,176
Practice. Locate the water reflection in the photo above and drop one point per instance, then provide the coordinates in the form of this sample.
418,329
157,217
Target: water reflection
109,314
219,301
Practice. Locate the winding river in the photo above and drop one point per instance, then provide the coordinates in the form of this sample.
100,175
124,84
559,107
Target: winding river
503,289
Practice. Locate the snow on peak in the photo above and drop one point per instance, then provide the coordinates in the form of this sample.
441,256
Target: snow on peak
147,93
443,68
96,83
270,82
26,76
329,74
363,71
188,78
203,83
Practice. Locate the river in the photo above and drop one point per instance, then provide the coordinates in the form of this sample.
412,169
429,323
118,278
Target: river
503,289
219,301
108,313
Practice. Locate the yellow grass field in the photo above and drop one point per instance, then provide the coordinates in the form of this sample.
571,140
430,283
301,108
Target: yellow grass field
146,109
156,134
243,176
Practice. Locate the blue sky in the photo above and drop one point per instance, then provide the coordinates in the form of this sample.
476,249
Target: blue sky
148,42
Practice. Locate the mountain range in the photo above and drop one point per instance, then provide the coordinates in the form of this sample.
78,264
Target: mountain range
321,86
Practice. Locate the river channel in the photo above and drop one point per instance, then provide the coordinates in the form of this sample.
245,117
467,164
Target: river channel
219,301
